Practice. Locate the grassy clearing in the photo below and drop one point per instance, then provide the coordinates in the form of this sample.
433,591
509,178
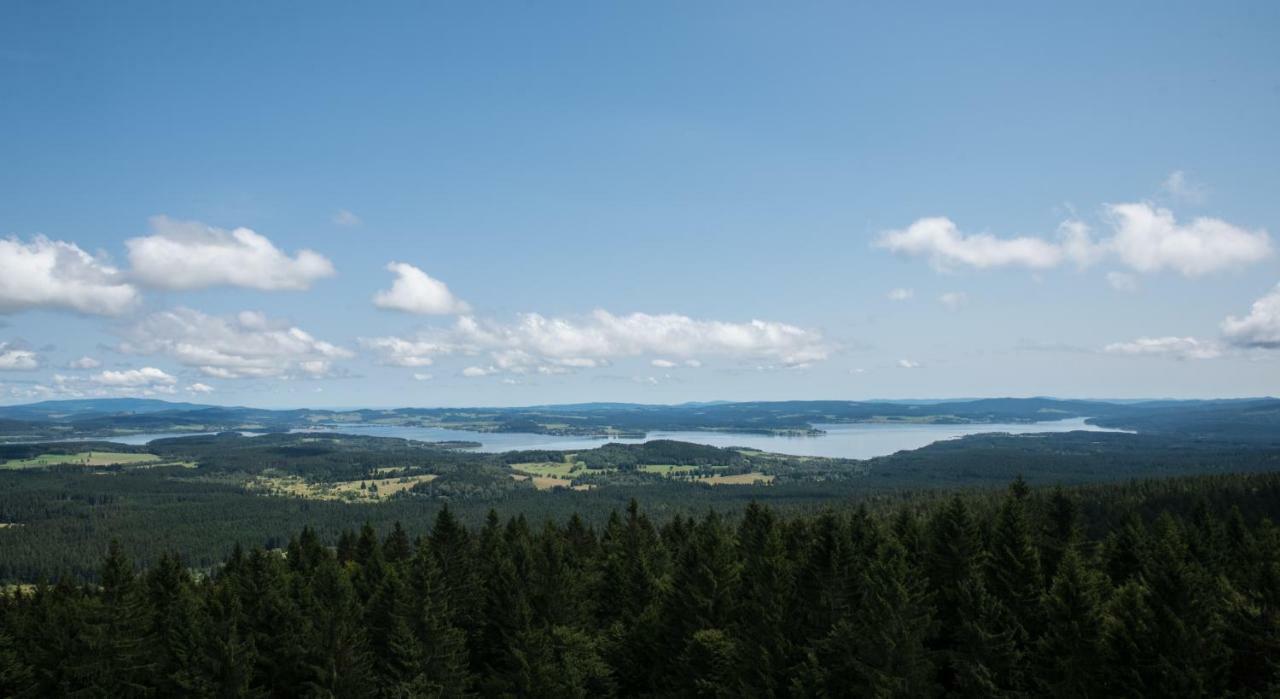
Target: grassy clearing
549,482
552,468
371,489
738,479
666,469
84,458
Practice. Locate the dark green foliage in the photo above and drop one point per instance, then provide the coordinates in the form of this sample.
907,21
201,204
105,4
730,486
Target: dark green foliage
1159,589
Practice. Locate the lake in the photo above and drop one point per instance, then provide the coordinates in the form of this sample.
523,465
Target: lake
848,441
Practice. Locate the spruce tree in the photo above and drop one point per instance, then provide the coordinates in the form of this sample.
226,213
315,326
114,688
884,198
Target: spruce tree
765,583
1069,654
881,650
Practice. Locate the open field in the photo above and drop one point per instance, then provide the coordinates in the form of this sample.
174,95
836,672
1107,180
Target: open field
84,458
737,479
666,469
549,482
371,489
559,469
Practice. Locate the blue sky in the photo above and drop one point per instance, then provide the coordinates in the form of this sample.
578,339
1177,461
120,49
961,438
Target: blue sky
651,202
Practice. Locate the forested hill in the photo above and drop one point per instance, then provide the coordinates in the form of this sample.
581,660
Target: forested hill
1234,419
1162,589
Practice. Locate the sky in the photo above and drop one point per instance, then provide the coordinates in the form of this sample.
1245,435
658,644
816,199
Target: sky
449,204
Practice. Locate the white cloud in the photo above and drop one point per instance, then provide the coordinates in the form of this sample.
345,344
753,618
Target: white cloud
200,388
192,255
342,217
947,247
555,345
1176,347
85,362
134,378
1149,239
422,377
908,364
953,299
900,294
247,346
1259,329
662,363
604,335
414,291
398,351
1180,186
1122,282
1143,237
13,359
53,274
476,371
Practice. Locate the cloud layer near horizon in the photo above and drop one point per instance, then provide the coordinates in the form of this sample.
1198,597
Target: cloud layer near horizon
1143,237
534,342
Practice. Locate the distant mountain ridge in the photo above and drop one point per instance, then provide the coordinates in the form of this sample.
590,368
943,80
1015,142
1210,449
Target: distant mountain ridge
64,419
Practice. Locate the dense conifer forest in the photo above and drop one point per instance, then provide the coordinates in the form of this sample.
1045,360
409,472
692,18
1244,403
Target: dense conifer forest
1154,588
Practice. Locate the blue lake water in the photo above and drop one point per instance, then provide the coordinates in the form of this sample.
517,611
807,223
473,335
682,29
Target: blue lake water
849,441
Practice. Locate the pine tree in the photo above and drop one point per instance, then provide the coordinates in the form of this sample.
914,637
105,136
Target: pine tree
397,548
881,650
229,655
954,557
118,661
1061,530
821,597
702,595
443,666
392,644
16,675
274,621
175,628
338,658
1013,567
988,658
1068,655
764,583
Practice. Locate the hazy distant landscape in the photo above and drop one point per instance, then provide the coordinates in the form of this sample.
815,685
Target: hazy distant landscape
582,349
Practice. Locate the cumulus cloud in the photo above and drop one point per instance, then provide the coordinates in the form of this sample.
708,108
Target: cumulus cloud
417,376
200,388
662,363
1175,347
134,378
13,359
398,351
48,273
1260,328
414,291
953,299
247,346
536,343
908,364
946,247
342,217
192,255
1143,237
1149,239
85,362
475,371
900,294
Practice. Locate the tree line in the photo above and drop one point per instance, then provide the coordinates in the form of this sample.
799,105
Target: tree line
970,595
